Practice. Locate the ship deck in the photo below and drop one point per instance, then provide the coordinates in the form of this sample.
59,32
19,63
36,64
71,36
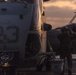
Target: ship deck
52,72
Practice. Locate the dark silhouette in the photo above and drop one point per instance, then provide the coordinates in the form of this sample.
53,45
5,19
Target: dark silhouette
46,57
65,49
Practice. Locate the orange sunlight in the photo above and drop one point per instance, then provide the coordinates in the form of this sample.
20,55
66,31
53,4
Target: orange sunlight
66,7
61,4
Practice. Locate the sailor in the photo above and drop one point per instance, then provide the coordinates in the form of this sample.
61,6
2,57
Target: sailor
65,49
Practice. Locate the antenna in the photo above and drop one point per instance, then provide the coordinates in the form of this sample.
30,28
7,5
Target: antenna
73,18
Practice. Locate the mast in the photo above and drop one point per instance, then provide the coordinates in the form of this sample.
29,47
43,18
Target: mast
73,18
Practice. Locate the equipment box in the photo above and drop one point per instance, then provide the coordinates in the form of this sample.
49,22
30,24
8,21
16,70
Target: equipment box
57,66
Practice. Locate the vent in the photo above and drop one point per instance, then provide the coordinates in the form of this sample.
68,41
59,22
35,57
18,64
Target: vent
21,16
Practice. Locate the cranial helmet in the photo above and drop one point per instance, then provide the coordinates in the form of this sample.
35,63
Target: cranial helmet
64,29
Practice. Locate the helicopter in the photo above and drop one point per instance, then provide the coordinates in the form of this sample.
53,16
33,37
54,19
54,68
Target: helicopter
22,34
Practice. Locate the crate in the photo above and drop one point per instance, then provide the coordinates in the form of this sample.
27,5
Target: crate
57,66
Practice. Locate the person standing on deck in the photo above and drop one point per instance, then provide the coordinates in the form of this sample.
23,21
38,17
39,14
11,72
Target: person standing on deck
65,49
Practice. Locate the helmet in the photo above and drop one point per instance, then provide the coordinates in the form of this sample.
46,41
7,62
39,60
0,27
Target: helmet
64,29
74,28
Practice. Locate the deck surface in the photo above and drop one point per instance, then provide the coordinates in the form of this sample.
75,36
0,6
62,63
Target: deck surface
33,72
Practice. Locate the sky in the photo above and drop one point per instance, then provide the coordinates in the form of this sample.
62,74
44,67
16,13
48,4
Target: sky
59,12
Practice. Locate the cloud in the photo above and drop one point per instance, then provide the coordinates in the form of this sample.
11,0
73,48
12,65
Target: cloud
59,12
58,22
59,16
61,3
74,2
62,0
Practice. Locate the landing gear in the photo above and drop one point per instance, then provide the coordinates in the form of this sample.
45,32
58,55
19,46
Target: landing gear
6,68
7,71
46,60
4,71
